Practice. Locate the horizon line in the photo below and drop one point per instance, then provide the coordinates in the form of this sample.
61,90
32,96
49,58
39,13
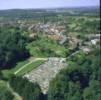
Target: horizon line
50,7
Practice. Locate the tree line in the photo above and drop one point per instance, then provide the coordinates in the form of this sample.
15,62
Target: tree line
81,80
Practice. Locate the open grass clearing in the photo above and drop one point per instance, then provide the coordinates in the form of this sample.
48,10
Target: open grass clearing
30,67
44,48
9,72
23,67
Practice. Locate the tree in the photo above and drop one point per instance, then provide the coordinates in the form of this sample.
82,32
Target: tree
1,75
93,92
79,81
12,46
6,95
28,90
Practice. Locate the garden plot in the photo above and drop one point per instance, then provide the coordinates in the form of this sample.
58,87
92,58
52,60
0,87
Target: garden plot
45,72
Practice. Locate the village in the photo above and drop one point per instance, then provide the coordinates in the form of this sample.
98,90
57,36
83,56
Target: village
44,73
50,54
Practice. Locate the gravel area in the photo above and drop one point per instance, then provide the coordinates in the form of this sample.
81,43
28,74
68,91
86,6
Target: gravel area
46,72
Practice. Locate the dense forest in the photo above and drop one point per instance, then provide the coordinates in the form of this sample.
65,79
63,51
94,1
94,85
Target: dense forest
12,47
81,80
29,91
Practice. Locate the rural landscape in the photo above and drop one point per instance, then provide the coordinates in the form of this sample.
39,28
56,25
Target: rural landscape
50,54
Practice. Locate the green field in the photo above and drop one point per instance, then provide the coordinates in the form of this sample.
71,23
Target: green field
8,73
45,47
30,67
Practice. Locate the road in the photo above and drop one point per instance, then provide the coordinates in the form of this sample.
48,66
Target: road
74,53
36,59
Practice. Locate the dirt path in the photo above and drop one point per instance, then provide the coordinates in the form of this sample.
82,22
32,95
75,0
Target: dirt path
45,72
74,53
36,59
18,97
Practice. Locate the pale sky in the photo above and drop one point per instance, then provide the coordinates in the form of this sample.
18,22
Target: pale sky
11,4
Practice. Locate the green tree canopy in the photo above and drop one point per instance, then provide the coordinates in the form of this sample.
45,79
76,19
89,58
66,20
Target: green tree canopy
12,46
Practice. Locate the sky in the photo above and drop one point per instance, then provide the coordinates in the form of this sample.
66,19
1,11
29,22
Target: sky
22,4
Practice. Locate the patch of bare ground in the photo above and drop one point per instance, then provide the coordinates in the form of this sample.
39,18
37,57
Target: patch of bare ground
46,72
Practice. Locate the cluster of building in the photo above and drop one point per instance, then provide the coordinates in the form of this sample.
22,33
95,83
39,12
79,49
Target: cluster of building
49,28
52,30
